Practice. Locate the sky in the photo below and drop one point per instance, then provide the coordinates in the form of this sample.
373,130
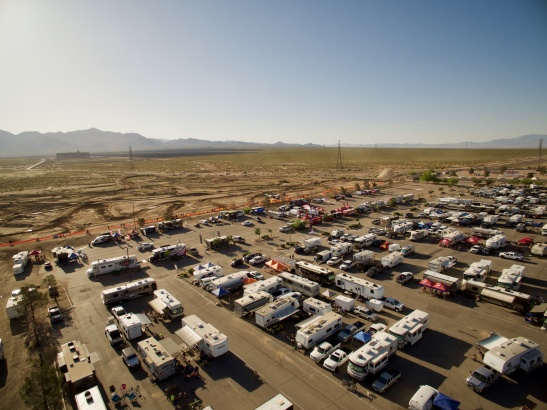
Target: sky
297,71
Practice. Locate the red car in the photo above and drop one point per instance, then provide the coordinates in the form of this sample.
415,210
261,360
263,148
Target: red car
385,245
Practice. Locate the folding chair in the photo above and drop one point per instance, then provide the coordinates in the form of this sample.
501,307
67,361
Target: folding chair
132,396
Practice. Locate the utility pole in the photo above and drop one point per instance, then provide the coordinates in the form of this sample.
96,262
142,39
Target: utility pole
539,153
339,159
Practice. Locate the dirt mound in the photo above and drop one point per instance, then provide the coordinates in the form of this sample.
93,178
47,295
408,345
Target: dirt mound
386,173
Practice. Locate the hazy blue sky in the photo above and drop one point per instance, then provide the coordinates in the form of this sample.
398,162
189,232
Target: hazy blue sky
295,71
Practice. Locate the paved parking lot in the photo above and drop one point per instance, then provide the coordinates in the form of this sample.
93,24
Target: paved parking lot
442,359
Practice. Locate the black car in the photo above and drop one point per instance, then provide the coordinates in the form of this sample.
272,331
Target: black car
250,256
237,262
299,250
377,242
374,270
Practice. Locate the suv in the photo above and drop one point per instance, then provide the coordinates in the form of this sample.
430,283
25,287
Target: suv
250,256
55,314
285,228
238,239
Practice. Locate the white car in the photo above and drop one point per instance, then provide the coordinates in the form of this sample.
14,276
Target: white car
394,304
247,223
334,261
347,264
511,255
144,246
258,259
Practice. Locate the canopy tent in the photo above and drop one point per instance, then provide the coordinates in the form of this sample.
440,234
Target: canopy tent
363,337
73,256
220,292
247,281
439,286
426,282
524,241
445,242
35,252
443,402
205,266
473,239
274,265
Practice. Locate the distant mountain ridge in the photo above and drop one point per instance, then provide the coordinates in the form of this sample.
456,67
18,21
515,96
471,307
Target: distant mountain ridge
97,141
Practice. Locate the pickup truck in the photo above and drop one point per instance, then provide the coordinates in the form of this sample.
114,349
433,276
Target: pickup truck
374,270
323,350
113,335
404,277
336,359
386,379
238,239
118,311
365,313
345,334
482,378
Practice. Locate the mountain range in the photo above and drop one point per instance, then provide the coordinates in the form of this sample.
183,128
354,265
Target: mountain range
32,143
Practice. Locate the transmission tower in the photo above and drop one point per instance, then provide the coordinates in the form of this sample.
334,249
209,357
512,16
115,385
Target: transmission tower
339,158
539,153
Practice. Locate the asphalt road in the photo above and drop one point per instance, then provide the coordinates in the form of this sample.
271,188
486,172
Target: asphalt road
442,359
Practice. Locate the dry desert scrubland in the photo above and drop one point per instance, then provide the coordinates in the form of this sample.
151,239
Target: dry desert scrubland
57,197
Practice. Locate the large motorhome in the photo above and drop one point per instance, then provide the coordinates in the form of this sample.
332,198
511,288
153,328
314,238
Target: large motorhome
166,304
359,287
317,329
511,278
276,312
507,298
119,263
268,285
157,359
168,252
373,356
300,284
478,271
206,337
409,329
229,282
316,273
452,284
249,303
129,291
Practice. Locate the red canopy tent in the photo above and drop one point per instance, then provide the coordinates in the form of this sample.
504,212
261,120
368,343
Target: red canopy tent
426,282
440,286
445,242
473,239
525,241
35,252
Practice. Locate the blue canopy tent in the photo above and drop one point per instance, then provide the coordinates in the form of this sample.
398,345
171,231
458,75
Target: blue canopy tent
443,402
363,337
220,292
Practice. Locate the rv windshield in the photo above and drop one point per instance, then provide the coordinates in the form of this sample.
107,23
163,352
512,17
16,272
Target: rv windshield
356,368
175,311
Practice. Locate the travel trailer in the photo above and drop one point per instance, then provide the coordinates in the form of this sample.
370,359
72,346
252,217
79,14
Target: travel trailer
249,303
206,337
276,312
317,328
168,252
129,291
314,306
157,359
268,285
117,264
359,287
20,261
300,284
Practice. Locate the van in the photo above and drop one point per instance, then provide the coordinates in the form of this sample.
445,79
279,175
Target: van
423,398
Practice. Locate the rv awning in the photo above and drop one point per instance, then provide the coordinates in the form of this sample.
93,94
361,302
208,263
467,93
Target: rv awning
157,306
172,348
142,318
306,322
188,336
492,341
489,293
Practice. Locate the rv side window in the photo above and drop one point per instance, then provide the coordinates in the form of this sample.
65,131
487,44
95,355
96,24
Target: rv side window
329,329
312,309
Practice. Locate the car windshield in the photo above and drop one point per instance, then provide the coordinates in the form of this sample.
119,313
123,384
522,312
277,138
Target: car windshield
479,377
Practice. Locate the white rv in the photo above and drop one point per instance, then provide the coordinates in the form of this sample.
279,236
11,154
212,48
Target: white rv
20,261
317,329
90,399
496,242
392,259
267,285
206,271
130,325
300,284
168,252
249,303
276,312
409,329
373,356
512,278
14,307
129,291
418,234
166,304
442,263
119,263
341,249
157,359
314,306
478,271
206,337
358,286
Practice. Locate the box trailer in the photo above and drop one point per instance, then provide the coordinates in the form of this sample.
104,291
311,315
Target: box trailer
359,287
117,264
345,302
196,333
251,302
318,328
452,284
